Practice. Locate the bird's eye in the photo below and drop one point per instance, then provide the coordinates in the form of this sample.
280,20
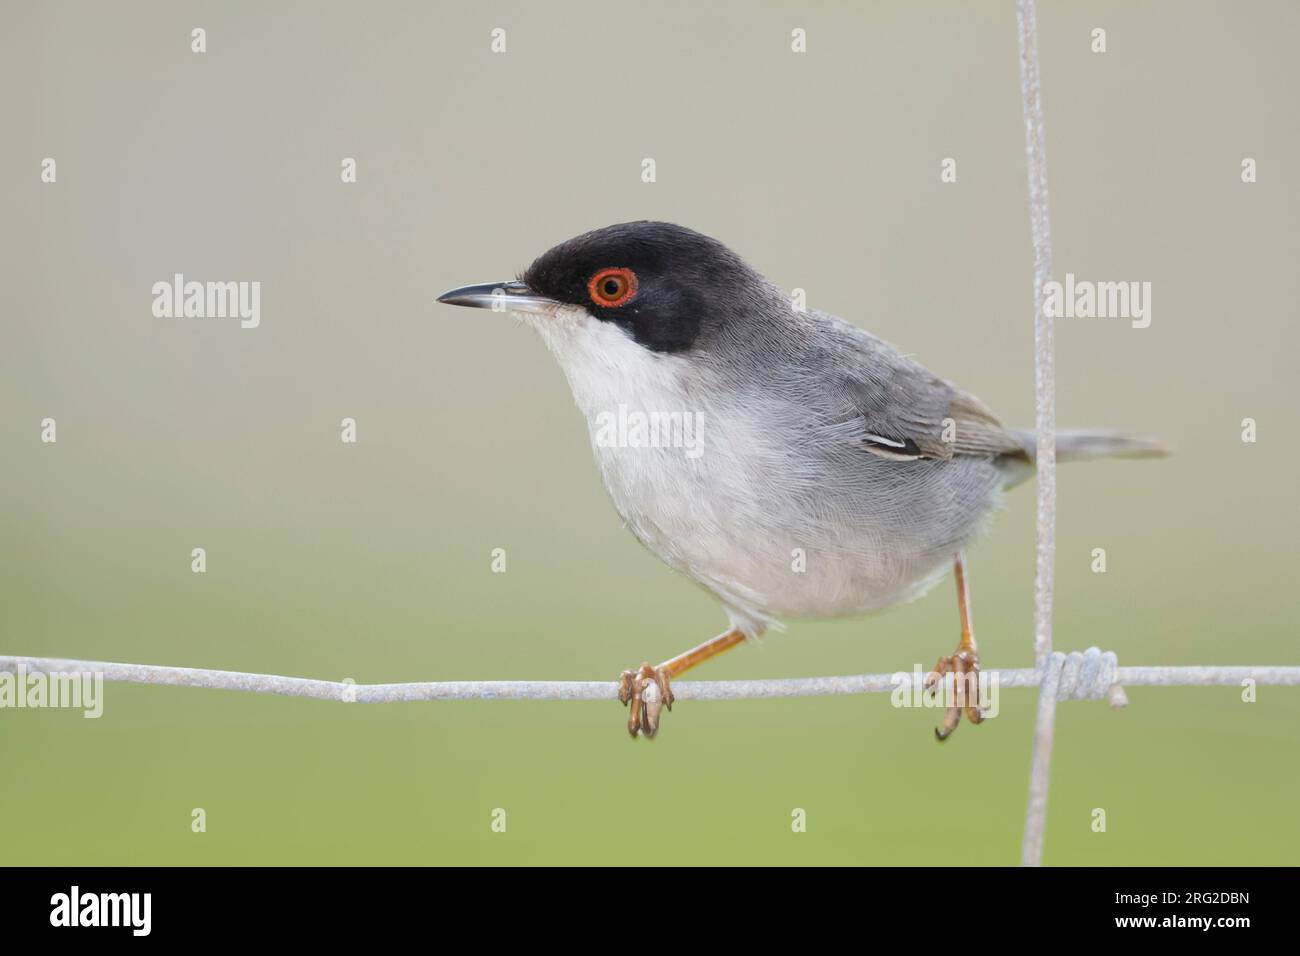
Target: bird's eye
610,288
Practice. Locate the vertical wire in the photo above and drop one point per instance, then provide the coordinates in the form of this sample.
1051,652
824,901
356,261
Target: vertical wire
1044,347
1031,850
1045,423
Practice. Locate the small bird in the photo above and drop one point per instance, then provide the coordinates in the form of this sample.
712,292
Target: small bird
834,476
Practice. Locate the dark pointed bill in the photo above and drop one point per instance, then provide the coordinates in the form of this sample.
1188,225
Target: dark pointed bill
500,297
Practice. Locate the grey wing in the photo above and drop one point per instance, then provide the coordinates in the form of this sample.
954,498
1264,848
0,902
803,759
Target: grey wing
896,408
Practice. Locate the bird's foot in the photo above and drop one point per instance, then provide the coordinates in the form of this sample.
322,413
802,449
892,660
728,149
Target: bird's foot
647,691
964,666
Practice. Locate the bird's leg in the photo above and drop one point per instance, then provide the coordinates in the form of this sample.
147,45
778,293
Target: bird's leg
964,665
649,689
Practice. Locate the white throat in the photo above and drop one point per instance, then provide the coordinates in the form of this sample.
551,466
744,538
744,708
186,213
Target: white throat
606,368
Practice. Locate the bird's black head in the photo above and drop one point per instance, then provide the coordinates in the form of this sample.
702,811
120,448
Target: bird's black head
665,285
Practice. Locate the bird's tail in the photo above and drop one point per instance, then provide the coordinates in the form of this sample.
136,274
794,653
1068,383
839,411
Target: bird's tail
1075,443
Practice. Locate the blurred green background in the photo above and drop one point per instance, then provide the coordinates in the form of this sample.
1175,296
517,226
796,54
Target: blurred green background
372,561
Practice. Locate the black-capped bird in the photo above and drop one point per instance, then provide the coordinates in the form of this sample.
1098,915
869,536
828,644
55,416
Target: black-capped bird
832,475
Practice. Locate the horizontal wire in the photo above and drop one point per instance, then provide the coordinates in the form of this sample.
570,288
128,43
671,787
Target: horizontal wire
1155,676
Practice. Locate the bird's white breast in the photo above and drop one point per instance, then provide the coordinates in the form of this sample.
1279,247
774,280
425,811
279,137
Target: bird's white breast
742,514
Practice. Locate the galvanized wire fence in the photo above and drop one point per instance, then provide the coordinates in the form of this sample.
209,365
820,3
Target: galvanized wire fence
1040,225
1088,675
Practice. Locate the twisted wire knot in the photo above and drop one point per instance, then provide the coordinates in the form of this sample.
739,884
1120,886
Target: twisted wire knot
1087,675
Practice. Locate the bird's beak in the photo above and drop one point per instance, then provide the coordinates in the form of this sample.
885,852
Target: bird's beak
499,297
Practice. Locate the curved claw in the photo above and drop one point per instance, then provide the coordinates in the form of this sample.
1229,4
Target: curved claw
965,668
646,691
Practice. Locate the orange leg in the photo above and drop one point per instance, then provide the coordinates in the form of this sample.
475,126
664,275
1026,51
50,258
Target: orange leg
964,665
649,689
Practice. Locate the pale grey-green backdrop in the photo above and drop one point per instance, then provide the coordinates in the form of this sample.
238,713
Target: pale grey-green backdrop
372,561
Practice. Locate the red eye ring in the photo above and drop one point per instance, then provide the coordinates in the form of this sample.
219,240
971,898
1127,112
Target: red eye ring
610,288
